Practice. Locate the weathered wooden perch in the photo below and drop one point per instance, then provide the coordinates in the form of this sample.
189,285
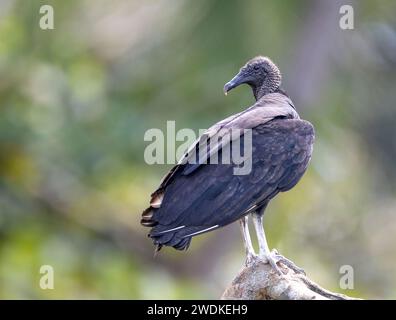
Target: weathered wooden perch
259,281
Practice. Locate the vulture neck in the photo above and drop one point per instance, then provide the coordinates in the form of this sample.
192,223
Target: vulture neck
270,84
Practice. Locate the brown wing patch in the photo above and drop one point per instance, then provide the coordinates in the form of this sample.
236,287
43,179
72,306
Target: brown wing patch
155,202
147,218
156,199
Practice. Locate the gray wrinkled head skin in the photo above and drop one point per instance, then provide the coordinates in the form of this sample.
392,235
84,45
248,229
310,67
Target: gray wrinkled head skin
260,73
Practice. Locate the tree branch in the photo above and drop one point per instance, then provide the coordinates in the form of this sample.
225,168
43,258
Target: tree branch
259,281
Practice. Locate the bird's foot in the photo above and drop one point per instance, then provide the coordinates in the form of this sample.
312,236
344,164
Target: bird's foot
290,264
271,259
250,258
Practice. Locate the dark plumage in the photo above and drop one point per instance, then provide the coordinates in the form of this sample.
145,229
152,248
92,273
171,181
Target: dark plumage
196,198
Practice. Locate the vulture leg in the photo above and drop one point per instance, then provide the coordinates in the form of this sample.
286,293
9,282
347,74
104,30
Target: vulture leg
264,251
250,254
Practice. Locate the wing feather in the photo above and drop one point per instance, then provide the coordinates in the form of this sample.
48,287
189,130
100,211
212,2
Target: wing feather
208,199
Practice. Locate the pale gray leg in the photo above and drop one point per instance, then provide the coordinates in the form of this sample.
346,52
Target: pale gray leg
264,251
250,254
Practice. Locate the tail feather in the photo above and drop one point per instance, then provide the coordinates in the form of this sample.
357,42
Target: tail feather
175,239
157,249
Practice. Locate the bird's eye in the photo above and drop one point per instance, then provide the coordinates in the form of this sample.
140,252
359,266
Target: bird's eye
256,67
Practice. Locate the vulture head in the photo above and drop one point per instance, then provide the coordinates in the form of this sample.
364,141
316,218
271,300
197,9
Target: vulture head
260,73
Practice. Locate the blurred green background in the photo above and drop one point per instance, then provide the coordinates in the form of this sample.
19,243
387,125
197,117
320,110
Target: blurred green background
76,101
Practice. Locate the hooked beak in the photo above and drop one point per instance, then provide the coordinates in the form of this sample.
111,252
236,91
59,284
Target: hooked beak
234,82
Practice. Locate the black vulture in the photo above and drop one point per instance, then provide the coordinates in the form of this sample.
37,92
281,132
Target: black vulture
197,197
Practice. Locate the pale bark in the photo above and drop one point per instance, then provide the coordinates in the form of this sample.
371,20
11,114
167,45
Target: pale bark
259,281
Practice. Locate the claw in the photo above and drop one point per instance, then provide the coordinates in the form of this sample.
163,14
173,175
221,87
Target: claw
270,259
250,258
279,258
